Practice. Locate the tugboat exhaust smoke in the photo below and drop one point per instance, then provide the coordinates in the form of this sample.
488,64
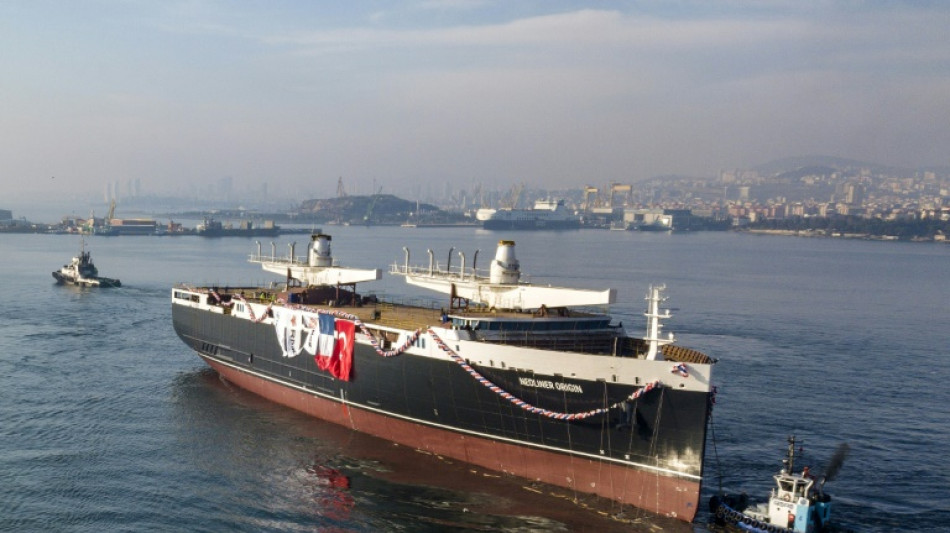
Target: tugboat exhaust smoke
835,464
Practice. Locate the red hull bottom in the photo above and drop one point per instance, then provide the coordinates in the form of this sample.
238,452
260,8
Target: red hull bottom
660,494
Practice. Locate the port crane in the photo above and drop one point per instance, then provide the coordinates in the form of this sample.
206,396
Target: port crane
372,205
514,197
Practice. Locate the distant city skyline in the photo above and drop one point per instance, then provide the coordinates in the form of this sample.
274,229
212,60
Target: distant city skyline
289,97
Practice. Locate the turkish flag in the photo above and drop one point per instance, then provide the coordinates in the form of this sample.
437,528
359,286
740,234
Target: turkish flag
343,352
339,362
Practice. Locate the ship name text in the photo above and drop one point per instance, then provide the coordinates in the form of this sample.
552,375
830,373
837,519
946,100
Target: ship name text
548,384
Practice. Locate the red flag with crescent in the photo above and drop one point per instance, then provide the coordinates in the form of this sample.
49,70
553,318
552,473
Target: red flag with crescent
335,354
342,366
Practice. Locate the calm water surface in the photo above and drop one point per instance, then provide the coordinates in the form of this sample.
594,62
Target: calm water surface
107,421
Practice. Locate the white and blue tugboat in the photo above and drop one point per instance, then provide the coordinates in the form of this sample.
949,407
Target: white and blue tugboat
82,272
796,504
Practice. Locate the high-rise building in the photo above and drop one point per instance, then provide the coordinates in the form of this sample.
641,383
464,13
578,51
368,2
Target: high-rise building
853,194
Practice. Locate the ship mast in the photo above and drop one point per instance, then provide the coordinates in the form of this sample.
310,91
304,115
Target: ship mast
790,460
654,297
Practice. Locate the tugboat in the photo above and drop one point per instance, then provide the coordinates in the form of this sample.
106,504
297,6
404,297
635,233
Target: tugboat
795,505
81,271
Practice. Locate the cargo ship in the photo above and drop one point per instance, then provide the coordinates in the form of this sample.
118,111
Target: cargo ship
546,214
533,381
246,228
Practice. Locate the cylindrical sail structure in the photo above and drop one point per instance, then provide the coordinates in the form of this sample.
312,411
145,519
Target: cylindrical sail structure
320,251
505,268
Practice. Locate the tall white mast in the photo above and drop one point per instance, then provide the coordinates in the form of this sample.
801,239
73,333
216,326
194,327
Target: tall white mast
654,297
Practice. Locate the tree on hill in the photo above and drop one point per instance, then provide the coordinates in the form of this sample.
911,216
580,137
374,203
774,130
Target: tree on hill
372,209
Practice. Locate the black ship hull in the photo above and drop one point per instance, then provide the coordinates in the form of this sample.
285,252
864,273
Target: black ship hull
648,455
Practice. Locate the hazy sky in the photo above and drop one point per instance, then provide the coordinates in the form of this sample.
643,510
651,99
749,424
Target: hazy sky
551,93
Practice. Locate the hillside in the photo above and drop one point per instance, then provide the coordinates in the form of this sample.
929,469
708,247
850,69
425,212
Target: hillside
793,164
374,209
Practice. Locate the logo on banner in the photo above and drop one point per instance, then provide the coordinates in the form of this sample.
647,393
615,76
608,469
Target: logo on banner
328,339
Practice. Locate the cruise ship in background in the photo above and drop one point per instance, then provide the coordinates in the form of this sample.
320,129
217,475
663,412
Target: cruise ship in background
546,214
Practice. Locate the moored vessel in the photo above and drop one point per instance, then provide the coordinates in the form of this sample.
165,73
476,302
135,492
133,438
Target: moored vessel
82,271
664,223
645,220
246,228
545,215
534,381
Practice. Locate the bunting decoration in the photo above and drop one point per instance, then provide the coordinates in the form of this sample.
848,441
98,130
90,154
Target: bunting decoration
410,340
247,305
531,408
331,342
217,298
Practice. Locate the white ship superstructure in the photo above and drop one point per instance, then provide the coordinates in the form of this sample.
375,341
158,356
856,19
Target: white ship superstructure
546,214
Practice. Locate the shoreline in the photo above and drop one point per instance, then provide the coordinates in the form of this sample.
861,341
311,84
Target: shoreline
841,235
56,229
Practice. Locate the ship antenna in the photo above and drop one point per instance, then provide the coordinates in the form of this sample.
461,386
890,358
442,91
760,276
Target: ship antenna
789,461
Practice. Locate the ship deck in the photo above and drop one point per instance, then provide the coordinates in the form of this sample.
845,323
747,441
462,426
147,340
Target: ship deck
399,315
377,313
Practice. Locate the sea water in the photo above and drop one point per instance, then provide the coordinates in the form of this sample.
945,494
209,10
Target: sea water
108,422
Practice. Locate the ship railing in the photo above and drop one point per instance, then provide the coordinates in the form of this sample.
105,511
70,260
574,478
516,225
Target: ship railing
454,272
604,344
407,304
436,272
300,260
581,344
